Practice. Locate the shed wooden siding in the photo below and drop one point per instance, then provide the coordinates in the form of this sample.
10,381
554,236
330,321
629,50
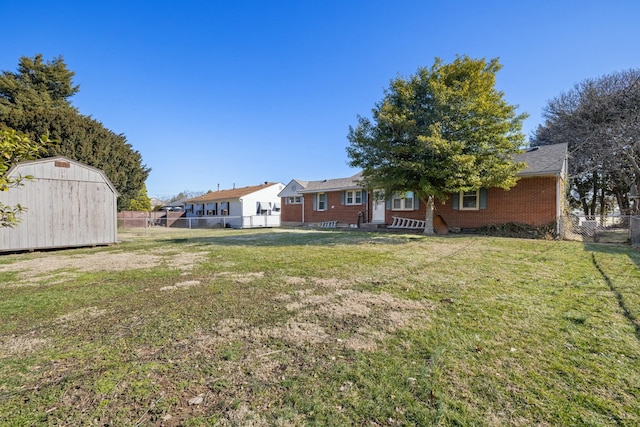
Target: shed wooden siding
68,205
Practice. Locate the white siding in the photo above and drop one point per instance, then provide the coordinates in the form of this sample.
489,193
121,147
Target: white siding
268,194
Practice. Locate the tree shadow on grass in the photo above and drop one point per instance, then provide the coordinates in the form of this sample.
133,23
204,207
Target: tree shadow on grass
634,256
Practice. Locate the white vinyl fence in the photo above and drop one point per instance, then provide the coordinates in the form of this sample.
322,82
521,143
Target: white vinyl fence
253,221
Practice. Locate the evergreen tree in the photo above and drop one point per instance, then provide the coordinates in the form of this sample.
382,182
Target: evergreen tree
37,84
35,100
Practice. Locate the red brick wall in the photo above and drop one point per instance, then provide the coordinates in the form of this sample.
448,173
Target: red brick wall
532,201
290,213
336,211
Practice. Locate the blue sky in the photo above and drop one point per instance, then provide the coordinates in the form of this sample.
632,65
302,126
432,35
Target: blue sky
240,92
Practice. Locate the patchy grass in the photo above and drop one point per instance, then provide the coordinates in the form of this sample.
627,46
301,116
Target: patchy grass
283,327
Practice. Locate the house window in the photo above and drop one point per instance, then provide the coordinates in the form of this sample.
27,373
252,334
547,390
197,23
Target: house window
263,208
322,201
294,200
210,212
402,201
354,197
469,200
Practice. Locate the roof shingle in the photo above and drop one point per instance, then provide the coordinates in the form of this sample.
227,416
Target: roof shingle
235,193
543,160
333,184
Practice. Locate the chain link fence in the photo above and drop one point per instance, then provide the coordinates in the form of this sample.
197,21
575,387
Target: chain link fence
602,229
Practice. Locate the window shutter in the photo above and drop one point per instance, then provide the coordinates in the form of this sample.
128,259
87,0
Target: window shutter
342,197
416,202
483,198
364,197
388,203
315,202
455,199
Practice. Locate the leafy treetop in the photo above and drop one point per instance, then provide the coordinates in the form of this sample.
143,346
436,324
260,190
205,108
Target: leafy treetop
38,84
443,130
35,100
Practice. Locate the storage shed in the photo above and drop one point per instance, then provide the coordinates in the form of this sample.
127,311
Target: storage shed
68,204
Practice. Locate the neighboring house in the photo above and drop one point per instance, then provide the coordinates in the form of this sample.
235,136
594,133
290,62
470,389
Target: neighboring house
537,199
69,204
247,207
311,202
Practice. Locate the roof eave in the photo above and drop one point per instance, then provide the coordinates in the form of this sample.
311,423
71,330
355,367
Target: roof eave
538,174
330,189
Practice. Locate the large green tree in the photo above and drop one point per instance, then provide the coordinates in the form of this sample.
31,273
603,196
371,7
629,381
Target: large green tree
15,147
35,100
443,130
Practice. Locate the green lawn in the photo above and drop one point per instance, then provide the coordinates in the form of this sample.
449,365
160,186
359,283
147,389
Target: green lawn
284,327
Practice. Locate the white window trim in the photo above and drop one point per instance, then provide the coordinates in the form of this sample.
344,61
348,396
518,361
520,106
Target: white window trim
318,202
402,202
461,200
354,201
294,200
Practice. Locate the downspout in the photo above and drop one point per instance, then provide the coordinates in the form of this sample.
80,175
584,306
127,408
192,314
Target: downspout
366,207
559,190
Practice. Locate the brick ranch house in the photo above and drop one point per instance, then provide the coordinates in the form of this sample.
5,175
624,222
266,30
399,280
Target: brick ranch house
536,200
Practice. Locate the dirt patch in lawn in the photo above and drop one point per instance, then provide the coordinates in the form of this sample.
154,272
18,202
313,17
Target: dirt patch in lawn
81,315
15,345
355,319
43,267
181,285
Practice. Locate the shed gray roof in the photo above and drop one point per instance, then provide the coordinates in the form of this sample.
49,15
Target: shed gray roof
351,183
27,168
543,160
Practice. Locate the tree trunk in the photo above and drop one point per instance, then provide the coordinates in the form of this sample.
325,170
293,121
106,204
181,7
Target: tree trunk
428,220
603,205
594,199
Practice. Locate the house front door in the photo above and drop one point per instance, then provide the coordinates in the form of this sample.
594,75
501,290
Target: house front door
377,211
